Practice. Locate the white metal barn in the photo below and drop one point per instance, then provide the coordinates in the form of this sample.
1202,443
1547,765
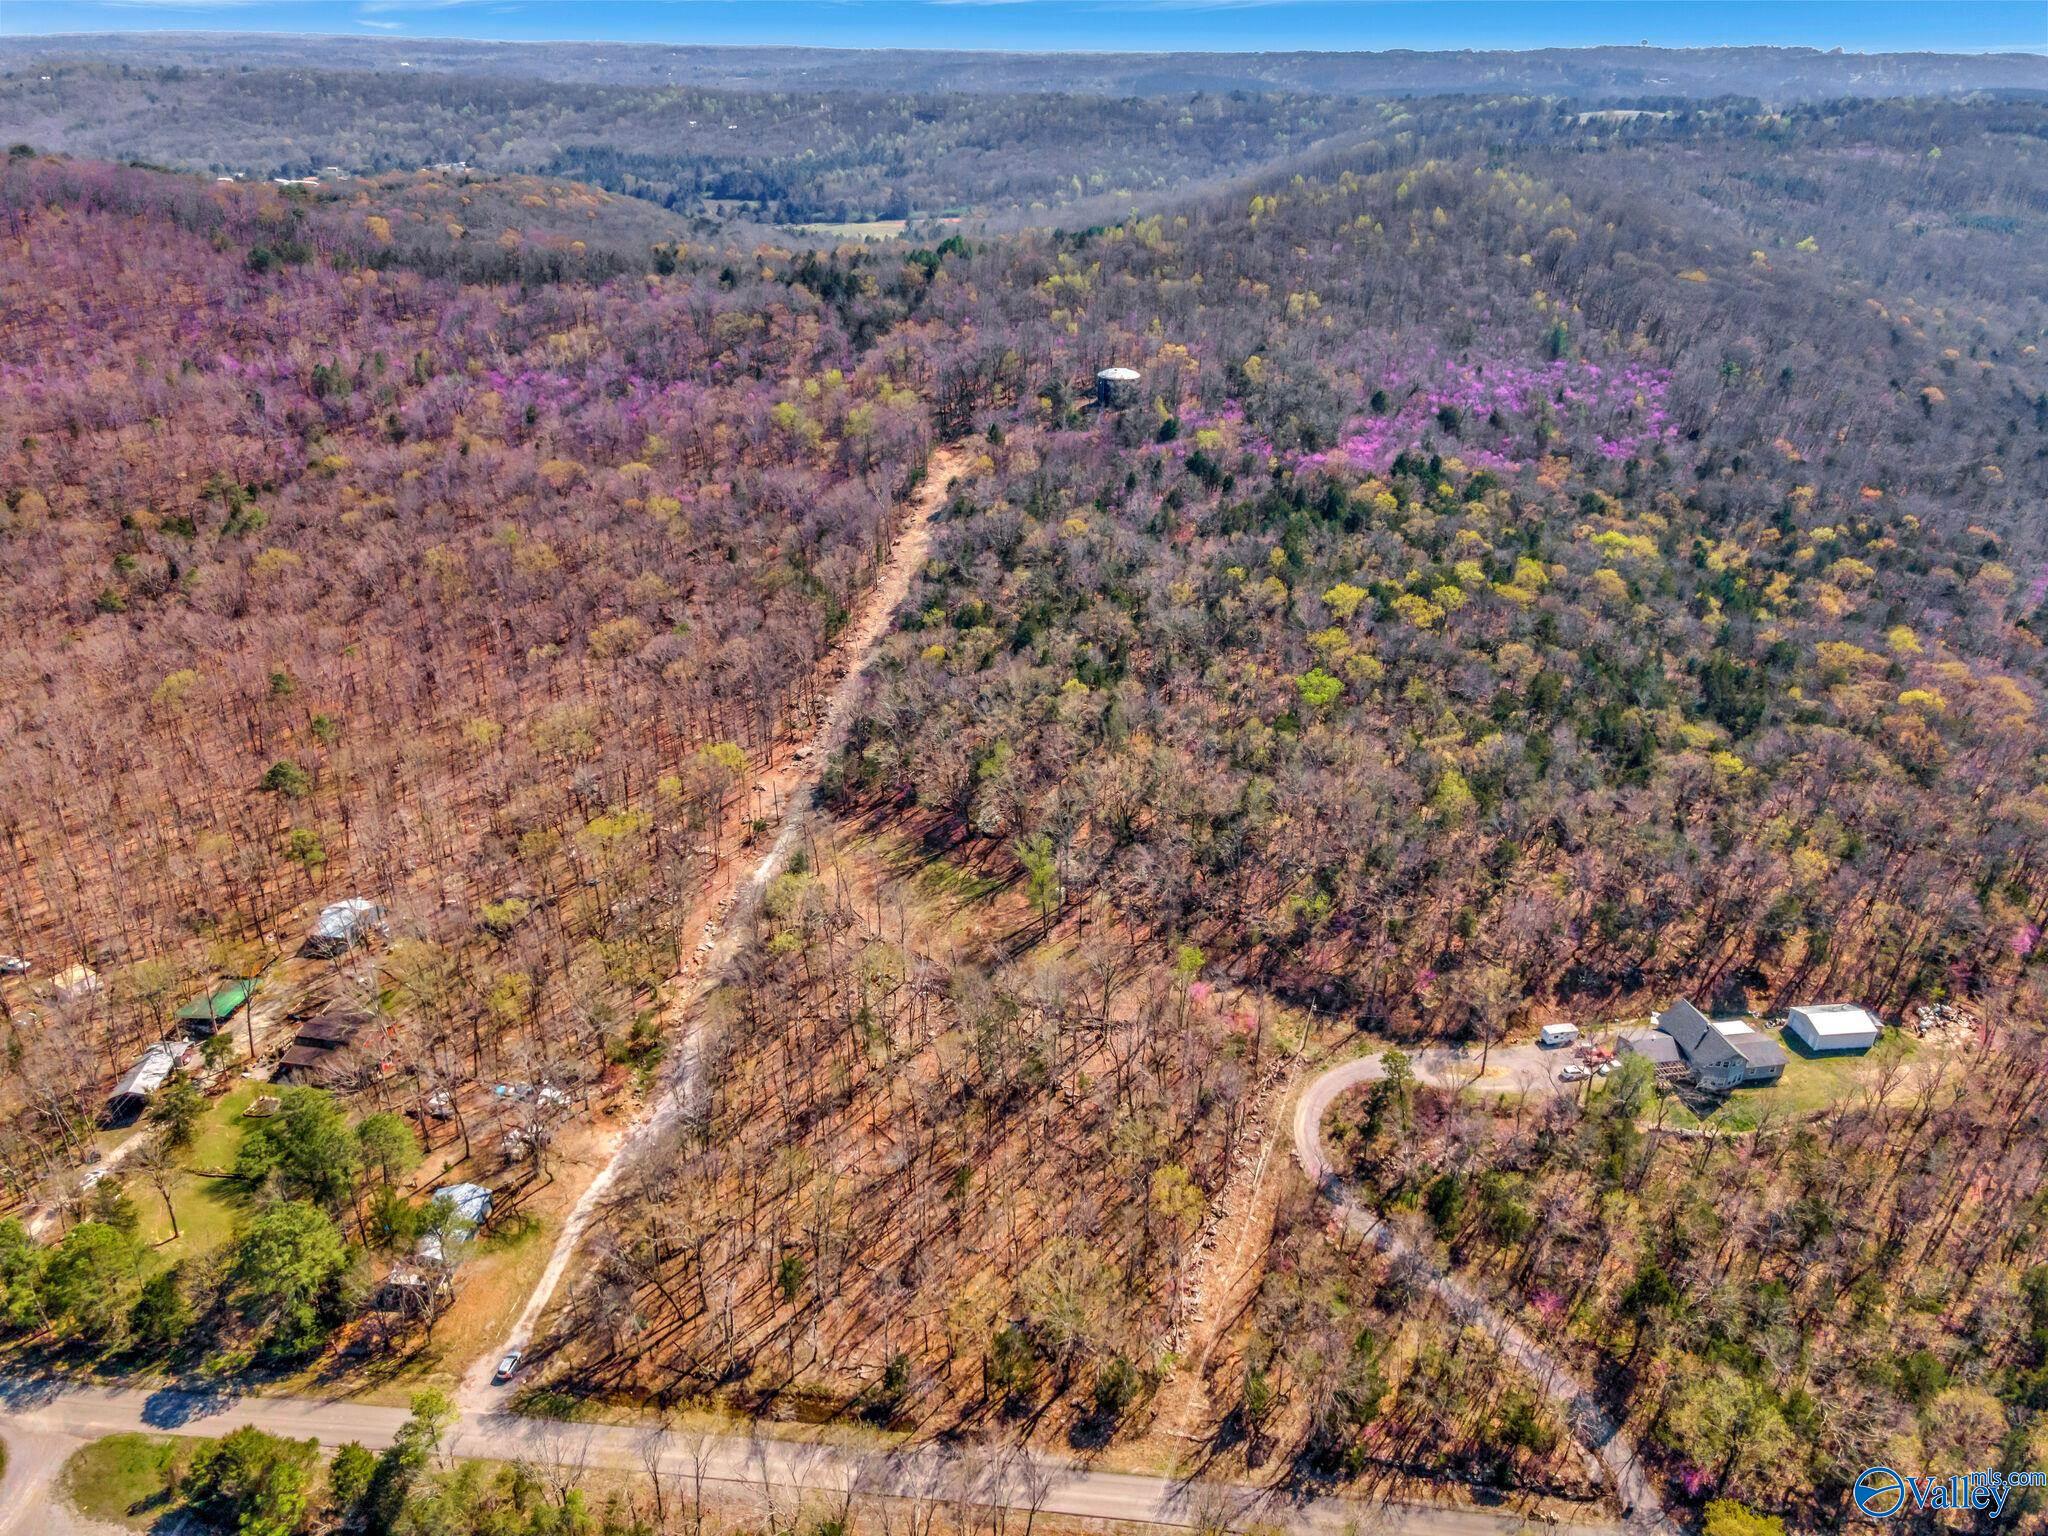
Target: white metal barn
1833,1027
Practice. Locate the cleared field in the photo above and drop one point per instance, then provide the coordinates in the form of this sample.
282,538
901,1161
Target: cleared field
872,229
860,229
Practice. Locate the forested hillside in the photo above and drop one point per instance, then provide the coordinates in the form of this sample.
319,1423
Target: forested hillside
793,156
1552,564
331,577
1515,592
862,149
1776,74
1639,606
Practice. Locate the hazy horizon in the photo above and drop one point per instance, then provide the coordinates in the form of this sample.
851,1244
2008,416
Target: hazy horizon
1084,26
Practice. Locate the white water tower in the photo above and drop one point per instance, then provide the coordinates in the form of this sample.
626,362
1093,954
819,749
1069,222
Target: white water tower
1116,389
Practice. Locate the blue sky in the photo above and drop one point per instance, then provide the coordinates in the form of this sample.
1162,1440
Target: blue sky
1226,25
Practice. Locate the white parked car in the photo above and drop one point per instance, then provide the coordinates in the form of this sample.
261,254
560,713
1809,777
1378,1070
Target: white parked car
509,1366
1603,1069
1575,1073
14,965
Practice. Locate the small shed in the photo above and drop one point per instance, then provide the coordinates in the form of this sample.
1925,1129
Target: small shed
143,1079
1116,389
208,1015
75,982
418,1282
1833,1027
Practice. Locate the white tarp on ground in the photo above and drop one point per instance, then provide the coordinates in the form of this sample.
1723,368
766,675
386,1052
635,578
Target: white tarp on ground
345,924
472,1202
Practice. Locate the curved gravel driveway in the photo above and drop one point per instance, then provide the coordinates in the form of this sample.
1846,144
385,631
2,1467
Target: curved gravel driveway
1589,1422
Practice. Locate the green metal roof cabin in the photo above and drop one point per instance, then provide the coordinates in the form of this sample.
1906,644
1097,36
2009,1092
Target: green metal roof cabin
205,1015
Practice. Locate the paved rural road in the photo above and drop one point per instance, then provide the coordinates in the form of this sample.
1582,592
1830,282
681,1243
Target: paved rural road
1589,1422
41,1421
45,1415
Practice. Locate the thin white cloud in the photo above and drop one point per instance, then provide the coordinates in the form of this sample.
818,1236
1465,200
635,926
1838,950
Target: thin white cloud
389,7
178,5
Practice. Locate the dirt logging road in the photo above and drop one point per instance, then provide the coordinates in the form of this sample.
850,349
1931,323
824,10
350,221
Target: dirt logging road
42,1420
788,780
1590,1424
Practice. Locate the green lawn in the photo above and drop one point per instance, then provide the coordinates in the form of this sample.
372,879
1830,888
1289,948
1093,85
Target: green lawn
1810,1084
125,1478
207,1208
947,890
944,881
220,1133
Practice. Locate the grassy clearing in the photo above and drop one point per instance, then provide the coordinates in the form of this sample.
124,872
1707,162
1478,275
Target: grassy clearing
126,1479
207,1208
1811,1084
858,229
948,890
944,881
220,1133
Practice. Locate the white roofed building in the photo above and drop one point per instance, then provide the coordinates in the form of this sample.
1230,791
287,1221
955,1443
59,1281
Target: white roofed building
1116,389
1833,1027
143,1079
342,926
